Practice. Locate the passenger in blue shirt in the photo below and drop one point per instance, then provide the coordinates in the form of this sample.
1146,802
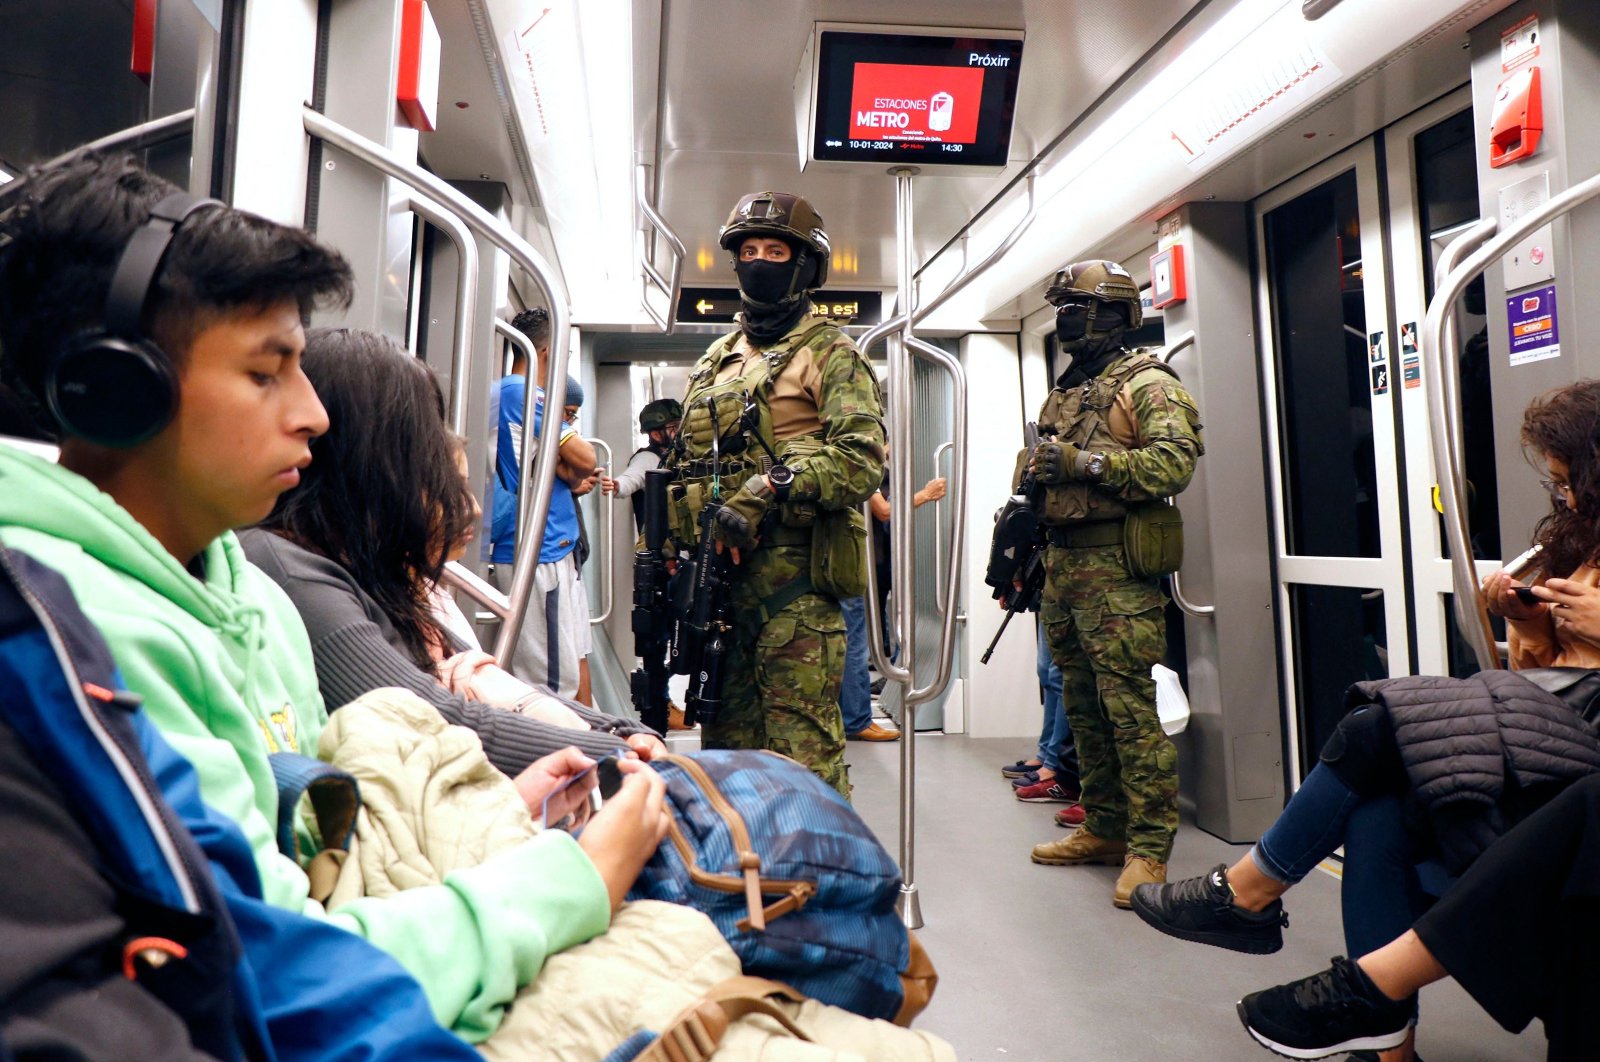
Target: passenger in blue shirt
555,634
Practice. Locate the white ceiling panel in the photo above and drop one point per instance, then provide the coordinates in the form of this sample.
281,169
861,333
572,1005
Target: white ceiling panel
726,119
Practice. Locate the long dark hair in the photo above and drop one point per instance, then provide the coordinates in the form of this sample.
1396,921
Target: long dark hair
383,496
1565,424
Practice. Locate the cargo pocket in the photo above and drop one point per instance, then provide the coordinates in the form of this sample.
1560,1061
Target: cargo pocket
1132,636
799,668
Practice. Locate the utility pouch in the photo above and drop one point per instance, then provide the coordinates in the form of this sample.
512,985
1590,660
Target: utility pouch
794,452
1152,539
839,552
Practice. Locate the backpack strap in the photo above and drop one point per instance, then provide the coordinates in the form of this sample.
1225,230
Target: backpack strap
696,1032
335,799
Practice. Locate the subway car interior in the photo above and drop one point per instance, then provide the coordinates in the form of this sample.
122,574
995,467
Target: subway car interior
1357,232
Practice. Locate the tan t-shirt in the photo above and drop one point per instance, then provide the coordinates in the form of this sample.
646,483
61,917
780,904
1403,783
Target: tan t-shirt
796,392
1544,642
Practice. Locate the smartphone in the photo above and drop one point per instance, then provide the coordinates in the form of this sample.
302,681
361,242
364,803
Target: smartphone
608,778
1526,595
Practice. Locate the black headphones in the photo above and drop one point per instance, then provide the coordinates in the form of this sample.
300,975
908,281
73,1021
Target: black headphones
114,386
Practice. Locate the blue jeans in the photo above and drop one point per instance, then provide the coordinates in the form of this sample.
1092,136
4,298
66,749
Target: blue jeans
1380,896
1057,750
855,695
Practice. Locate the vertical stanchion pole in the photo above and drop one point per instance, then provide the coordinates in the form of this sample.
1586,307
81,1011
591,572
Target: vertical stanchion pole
903,543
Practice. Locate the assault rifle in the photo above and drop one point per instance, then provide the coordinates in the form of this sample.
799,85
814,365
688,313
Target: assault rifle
702,601
1016,553
652,625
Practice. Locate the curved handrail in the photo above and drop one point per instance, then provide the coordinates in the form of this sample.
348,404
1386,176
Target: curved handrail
466,580
938,531
608,516
535,489
1473,619
134,138
958,504
669,288
1170,351
466,300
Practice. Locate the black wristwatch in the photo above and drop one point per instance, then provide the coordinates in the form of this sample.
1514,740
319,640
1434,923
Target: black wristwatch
1095,465
781,477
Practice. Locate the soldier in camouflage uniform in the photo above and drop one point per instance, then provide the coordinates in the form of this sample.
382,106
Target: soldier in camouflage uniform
787,384
1119,435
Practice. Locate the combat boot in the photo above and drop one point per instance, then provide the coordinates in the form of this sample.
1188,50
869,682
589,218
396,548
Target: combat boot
1078,847
1138,870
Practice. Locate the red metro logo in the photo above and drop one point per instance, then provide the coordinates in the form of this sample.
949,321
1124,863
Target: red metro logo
889,101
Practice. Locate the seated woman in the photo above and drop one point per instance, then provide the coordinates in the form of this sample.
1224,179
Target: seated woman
459,660
1239,907
359,544
1540,889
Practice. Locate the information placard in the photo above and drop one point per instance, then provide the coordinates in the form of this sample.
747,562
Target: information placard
928,98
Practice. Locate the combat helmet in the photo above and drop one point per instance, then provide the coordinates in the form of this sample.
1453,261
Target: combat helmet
1103,282
781,214
658,414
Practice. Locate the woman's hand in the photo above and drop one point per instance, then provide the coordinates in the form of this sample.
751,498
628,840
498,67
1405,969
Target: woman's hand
624,836
1501,599
648,746
543,777
1574,606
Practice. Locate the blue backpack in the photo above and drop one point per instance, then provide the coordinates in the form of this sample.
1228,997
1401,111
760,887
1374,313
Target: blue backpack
796,882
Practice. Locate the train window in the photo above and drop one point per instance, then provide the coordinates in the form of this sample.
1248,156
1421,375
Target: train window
1324,394
1339,638
1447,193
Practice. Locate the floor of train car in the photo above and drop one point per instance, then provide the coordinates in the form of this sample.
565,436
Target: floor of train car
1035,964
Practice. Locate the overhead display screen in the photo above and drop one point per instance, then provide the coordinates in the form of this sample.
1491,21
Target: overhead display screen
915,98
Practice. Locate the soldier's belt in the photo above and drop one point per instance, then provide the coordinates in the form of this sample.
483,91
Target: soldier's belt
1083,536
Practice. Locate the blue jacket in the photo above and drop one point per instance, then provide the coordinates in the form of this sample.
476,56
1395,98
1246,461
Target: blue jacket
257,982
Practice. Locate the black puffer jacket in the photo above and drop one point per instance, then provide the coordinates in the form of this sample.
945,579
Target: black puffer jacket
1478,753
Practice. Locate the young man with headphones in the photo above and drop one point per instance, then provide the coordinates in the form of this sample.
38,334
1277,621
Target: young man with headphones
160,336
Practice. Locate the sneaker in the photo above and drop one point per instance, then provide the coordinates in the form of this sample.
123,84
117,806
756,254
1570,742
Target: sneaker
1137,872
1071,816
1339,1009
1202,910
1030,778
1079,848
1021,767
877,685
1047,791
874,732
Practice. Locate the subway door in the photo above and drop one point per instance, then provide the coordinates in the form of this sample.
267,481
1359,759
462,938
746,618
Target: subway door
1332,457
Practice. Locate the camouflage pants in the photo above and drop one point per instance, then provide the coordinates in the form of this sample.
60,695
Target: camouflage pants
781,681
1106,630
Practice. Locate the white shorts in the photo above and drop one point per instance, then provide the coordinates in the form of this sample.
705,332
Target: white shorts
555,634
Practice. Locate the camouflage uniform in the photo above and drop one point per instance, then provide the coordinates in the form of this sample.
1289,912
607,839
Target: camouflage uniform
785,660
1105,626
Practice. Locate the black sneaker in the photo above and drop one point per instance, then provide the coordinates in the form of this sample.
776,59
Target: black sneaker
1202,909
1339,1009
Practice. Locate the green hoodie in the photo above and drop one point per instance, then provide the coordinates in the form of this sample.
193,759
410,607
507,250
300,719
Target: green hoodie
224,667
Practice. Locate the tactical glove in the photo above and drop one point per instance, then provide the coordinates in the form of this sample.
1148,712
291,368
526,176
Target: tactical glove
1059,462
739,518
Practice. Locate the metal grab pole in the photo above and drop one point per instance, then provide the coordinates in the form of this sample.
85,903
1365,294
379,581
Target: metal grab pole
608,515
939,596
466,580
1473,619
536,489
902,555
466,300
670,288
134,138
1201,611
958,530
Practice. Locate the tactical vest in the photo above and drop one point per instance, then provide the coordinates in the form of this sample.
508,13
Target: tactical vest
719,449
1081,416
637,498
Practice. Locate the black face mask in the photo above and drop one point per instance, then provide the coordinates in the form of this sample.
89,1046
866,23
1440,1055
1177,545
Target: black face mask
761,281
1072,323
